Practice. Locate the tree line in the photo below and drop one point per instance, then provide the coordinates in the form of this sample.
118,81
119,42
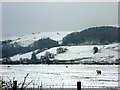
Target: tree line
95,35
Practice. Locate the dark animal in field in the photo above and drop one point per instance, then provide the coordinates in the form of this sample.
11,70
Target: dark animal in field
8,66
66,66
98,72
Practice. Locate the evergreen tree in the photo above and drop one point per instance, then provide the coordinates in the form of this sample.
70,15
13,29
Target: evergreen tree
34,58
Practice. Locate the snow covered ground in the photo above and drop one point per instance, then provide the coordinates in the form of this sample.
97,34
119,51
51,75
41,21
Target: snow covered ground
29,39
107,53
60,76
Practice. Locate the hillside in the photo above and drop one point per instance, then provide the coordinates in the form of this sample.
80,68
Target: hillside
95,35
29,43
78,54
63,47
29,39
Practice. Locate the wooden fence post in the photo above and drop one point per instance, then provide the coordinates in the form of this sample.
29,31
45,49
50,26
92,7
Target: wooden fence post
14,85
79,85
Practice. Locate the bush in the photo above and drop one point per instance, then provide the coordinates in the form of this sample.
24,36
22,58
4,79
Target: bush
61,50
95,50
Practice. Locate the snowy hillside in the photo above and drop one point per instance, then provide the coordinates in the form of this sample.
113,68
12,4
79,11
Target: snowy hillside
77,47
106,53
29,39
85,53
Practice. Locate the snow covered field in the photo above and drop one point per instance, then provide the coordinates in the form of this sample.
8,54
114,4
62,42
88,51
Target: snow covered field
106,53
63,76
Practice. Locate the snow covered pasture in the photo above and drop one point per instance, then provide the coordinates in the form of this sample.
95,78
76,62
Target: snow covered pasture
106,53
63,76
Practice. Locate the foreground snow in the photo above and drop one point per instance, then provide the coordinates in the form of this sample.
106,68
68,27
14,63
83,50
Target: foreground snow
108,53
60,76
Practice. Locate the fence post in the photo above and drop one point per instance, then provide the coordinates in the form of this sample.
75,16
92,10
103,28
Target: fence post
79,85
14,85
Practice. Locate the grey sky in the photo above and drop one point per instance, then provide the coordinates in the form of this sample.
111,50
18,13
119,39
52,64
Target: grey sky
25,18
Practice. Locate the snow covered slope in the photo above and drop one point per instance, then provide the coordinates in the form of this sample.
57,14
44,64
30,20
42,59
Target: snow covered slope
29,39
85,53
106,53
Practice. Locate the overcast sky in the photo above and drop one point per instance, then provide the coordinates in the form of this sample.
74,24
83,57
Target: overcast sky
25,18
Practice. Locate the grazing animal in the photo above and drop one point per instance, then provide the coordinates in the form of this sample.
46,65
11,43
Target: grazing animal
8,66
98,72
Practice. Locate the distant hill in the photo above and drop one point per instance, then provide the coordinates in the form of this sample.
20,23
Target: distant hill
46,40
107,54
94,35
9,49
31,38
28,43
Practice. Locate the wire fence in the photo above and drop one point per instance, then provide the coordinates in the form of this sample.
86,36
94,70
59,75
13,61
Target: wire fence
14,86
